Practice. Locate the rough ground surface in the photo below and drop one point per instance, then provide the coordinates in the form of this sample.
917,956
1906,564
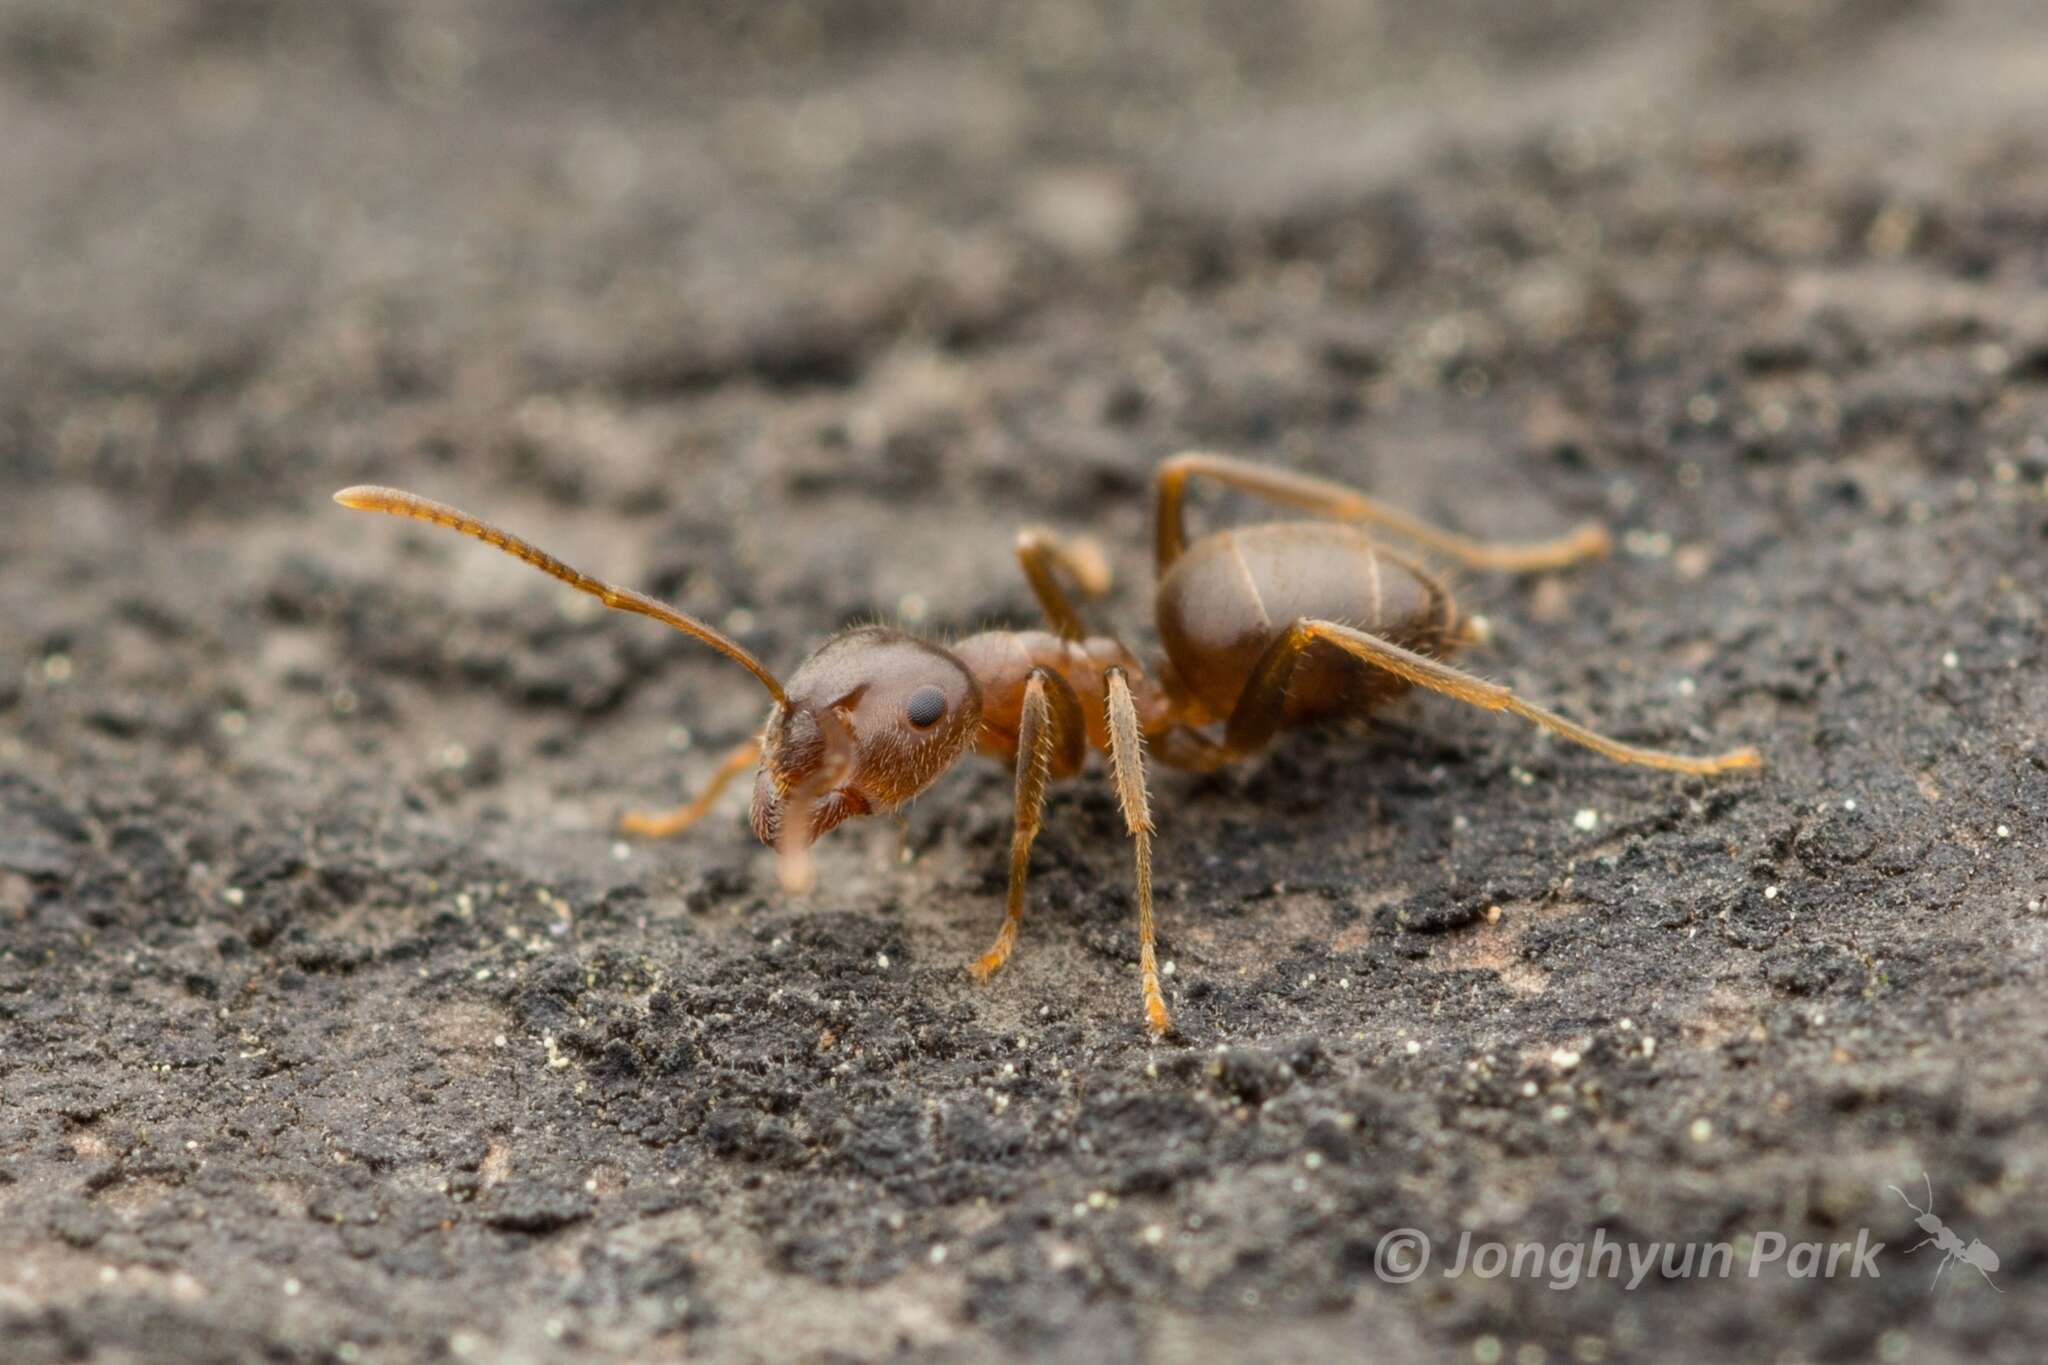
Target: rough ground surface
333,1026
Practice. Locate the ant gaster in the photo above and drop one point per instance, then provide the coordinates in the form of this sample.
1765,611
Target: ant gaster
1265,627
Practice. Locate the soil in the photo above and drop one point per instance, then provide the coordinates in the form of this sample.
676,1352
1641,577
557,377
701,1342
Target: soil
337,1025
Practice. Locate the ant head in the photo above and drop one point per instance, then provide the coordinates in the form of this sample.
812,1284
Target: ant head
869,721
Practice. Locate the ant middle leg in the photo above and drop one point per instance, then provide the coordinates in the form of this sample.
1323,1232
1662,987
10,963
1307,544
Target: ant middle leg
1323,498
1261,709
1045,559
662,824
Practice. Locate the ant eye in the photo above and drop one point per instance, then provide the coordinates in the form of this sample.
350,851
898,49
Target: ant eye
925,707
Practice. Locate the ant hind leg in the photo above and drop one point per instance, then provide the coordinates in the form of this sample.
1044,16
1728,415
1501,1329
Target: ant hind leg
1320,497
1259,711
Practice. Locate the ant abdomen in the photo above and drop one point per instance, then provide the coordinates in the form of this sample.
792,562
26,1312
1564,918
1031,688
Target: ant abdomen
1233,594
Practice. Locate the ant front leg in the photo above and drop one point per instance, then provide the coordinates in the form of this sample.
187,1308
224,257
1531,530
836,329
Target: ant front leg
1320,497
1127,769
663,824
1045,559
1048,732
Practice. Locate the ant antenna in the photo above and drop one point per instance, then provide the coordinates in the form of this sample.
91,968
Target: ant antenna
1909,1203
398,503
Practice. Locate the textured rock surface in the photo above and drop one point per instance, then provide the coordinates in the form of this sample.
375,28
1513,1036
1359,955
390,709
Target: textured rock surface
334,1026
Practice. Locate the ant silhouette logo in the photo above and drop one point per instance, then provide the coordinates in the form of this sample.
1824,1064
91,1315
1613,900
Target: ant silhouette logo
1975,1255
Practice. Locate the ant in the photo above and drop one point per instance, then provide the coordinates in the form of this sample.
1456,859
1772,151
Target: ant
1265,627
1976,1255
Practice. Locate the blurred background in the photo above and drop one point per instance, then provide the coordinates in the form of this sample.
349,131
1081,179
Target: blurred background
243,237
334,1025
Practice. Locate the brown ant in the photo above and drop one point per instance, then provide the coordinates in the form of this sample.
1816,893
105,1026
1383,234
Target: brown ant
1265,627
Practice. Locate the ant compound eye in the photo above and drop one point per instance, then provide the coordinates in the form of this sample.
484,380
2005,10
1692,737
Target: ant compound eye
925,707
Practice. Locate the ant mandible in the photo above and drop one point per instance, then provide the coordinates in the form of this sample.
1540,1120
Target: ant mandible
1265,627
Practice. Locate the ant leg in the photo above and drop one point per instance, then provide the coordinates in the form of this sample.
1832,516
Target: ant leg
1189,750
1323,498
662,824
1038,739
1045,558
1438,676
1127,768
